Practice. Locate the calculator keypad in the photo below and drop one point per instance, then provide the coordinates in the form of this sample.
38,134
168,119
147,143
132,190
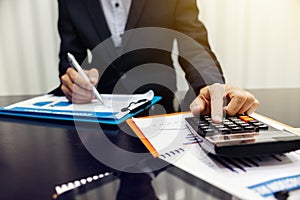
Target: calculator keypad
229,125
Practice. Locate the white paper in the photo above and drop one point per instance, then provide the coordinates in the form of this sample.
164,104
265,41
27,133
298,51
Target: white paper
112,107
168,133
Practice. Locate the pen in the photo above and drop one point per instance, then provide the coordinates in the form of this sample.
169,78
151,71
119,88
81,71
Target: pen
75,64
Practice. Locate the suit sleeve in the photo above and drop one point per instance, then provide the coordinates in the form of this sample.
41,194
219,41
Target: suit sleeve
70,41
197,60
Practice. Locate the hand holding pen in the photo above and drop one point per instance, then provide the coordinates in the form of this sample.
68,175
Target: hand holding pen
79,85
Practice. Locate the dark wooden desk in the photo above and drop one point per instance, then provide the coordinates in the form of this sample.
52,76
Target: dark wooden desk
36,156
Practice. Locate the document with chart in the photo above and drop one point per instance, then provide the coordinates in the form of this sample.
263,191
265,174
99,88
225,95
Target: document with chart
253,177
115,109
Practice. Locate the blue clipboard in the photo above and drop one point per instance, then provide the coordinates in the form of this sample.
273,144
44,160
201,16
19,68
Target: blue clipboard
77,115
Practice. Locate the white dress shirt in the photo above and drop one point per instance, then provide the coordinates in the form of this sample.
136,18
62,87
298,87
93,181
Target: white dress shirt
116,13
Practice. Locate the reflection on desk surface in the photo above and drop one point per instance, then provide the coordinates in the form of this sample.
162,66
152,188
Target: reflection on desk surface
171,183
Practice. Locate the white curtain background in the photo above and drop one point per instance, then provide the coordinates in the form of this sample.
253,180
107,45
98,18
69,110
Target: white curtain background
29,45
256,41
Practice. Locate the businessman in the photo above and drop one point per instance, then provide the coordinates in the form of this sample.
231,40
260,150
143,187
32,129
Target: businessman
85,24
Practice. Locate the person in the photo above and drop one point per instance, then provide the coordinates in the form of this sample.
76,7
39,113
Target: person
83,25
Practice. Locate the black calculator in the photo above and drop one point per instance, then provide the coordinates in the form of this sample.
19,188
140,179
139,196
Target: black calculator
241,136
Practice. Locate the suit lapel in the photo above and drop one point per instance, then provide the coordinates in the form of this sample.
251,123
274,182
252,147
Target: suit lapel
137,7
97,15
136,10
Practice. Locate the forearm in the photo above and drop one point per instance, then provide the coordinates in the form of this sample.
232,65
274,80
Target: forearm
70,41
197,59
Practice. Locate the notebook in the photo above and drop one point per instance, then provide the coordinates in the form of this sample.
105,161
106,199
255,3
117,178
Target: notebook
116,108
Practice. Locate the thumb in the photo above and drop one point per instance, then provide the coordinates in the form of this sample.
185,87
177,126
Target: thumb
93,75
197,106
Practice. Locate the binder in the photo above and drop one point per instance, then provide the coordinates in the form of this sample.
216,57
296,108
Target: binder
115,110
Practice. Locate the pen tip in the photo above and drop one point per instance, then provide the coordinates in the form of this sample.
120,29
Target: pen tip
70,57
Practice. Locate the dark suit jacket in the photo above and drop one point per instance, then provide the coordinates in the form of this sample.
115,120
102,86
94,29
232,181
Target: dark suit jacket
82,26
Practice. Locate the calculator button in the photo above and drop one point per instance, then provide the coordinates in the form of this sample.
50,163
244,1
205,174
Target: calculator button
246,118
236,129
224,130
263,127
206,131
207,118
239,122
232,126
244,124
209,121
249,128
219,126
204,127
253,121
228,122
202,124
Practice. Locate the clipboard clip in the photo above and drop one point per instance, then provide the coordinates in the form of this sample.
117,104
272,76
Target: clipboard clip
132,105
285,194
144,100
